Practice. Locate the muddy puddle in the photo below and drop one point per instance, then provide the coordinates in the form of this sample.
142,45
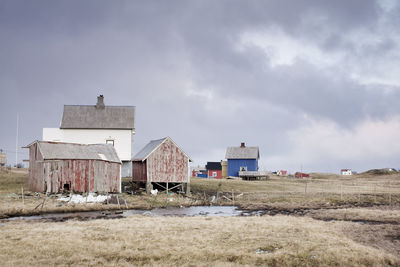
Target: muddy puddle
208,211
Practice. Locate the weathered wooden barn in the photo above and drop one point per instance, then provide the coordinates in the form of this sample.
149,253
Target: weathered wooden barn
57,167
162,163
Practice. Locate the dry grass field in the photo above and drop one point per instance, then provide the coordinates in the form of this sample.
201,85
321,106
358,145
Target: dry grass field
333,221
188,241
321,190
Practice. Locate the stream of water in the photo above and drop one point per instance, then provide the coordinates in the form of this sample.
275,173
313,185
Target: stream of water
208,211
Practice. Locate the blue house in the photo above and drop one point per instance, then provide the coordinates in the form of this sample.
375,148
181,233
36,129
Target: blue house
242,158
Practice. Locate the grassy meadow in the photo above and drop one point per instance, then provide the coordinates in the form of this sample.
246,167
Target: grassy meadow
188,241
330,221
321,190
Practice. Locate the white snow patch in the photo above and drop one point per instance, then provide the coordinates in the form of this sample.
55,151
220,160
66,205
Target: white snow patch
91,198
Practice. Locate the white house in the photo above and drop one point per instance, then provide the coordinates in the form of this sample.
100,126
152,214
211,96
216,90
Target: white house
346,172
98,124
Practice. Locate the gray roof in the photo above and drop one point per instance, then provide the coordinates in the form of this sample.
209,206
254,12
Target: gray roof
237,152
57,150
150,147
90,117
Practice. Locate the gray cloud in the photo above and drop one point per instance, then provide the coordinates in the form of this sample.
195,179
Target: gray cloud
183,65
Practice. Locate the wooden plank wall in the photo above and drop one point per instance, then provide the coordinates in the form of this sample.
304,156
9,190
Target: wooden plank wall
36,182
168,164
139,171
52,176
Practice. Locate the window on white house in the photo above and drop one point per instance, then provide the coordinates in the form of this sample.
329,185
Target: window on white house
110,142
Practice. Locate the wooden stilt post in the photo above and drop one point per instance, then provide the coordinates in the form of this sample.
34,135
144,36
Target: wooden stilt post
119,206
149,187
167,188
187,188
44,200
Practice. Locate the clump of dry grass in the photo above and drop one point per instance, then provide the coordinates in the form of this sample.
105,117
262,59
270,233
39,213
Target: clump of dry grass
198,241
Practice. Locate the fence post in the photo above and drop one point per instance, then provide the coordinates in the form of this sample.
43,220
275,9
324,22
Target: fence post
23,201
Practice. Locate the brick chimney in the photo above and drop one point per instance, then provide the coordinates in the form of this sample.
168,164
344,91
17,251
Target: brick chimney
242,144
100,102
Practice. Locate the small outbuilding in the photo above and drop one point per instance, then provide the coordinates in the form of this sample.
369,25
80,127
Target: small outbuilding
198,170
282,173
214,170
3,158
56,167
346,172
301,175
224,166
163,163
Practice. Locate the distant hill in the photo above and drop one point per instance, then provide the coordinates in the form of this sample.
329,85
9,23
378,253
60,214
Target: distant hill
384,171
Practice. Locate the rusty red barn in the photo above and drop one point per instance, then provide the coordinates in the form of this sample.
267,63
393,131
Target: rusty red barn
163,163
56,167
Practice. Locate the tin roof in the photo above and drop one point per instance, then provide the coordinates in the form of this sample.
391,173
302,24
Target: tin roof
248,152
91,117
152,146
58,150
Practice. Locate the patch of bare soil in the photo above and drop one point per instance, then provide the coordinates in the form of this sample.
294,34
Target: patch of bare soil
381,236
305,209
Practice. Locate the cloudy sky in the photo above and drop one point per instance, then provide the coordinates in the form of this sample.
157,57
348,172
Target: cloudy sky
314,83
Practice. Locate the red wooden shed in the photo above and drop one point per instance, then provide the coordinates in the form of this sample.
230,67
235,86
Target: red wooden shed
214,170
301,175
55,167
163,163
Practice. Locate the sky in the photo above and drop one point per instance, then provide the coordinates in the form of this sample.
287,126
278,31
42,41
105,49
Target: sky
315,84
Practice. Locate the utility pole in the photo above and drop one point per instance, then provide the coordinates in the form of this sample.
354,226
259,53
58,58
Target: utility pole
16,144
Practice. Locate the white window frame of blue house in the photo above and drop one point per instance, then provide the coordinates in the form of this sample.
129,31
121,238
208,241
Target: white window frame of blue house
243,168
